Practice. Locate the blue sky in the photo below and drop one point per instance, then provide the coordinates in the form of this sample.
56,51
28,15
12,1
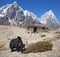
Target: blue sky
38,7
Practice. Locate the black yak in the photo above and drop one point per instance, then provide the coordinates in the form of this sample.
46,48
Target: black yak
17,44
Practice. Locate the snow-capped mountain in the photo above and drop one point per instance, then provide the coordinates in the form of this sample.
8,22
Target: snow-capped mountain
49,19
16,15
13,12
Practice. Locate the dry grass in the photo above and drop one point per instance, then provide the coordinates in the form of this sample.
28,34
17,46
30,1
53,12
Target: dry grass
2,44
39,47
57,38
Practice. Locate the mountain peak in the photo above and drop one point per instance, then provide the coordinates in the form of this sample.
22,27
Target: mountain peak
50,11
14,3
49,19
49,14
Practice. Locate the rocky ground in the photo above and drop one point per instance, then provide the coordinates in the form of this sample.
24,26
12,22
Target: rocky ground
7,33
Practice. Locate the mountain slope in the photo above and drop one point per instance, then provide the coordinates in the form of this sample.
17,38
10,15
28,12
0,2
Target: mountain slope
49,19
7,33
30,18
13,12
16,15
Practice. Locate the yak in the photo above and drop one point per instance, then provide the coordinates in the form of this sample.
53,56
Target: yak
16,44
